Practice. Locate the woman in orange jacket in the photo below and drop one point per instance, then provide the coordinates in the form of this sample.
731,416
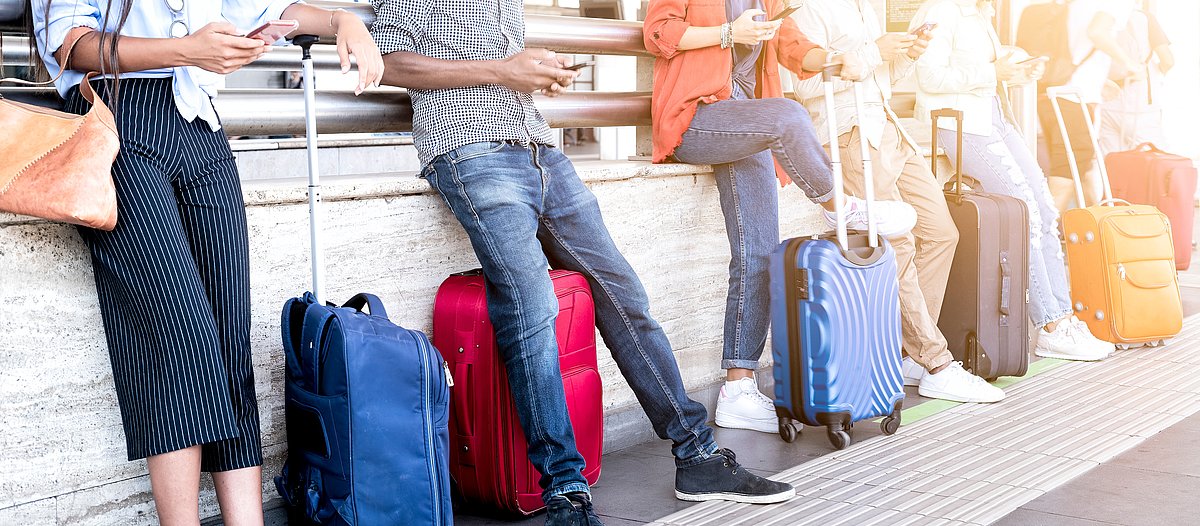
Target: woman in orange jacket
718,100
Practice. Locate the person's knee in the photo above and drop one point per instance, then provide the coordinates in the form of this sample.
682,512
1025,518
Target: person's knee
785,114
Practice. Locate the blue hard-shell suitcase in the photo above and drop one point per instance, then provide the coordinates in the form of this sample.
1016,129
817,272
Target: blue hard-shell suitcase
835,318
835,336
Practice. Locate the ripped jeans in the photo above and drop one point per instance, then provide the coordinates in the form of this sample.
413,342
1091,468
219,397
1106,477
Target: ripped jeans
1003,165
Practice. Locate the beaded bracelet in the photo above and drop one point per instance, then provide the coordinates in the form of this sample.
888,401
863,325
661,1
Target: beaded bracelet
726,35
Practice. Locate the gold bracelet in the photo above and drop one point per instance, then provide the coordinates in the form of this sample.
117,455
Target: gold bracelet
333,14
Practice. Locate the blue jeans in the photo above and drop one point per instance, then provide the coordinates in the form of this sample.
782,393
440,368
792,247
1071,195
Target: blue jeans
525,208
1003,165
738,137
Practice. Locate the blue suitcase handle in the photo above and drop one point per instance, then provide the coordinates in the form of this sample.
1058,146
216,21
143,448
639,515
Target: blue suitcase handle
372,302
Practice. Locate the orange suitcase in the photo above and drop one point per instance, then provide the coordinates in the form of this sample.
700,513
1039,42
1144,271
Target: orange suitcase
1121,259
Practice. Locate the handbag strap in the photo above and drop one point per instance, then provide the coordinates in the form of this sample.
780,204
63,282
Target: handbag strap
77,35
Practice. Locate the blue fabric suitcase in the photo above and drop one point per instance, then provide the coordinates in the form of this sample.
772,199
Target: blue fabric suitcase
835,322
367,402
367,406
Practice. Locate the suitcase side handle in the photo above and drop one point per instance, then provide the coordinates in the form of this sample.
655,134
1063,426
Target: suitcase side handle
1005,282
957,115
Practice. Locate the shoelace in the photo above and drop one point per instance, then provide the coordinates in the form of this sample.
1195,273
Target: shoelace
973,379
583,506
730,459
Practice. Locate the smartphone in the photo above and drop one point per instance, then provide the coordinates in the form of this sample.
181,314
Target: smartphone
580,65
927,26
1034,60
787,11
274,30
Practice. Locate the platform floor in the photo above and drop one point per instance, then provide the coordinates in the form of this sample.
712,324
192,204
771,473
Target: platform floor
1113,442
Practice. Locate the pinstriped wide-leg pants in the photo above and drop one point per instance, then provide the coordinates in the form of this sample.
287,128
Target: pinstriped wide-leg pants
173,282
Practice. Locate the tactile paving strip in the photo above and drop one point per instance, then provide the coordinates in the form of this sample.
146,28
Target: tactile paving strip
973,463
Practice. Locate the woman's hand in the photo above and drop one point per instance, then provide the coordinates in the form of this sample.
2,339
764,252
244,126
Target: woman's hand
894,45
748,31
1009,71
219,47
354,39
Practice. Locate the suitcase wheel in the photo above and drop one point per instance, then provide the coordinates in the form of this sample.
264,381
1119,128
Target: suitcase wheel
890,424
839,436
788,430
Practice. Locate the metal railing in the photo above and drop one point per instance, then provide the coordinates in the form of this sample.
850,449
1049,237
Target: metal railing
281,112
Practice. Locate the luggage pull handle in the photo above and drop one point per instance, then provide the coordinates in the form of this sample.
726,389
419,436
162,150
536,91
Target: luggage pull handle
314,177
839,192
957,115
1074,95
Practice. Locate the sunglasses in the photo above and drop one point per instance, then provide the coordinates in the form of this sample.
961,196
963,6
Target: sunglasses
179,27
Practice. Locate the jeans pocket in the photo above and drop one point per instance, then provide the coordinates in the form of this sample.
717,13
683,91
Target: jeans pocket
474,150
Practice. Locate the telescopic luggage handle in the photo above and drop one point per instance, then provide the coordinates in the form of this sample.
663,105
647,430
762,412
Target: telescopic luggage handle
1074,95
839,192
314,176
957,115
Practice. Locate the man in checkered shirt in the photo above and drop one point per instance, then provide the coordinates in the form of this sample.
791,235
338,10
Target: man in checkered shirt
488,152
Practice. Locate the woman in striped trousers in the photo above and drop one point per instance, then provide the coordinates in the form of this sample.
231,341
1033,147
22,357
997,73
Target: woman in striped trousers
173,277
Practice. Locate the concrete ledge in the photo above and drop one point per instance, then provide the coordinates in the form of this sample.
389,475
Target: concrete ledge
62,448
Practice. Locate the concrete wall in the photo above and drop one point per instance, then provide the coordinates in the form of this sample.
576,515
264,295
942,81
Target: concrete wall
62,457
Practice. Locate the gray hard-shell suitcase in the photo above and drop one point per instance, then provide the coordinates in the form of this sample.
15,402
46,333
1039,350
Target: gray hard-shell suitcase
984,316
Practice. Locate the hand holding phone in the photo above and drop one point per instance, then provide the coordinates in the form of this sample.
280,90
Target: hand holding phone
926,27
1033,61
580,65
787,11
274,30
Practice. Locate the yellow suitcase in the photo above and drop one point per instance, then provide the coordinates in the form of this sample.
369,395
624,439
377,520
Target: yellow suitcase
1121,260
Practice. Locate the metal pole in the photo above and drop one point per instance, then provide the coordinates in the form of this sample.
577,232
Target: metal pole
314,177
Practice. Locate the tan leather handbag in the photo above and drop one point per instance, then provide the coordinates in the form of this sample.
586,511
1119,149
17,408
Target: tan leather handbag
57,165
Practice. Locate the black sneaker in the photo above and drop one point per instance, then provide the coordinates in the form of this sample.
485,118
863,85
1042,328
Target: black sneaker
722,478
572,509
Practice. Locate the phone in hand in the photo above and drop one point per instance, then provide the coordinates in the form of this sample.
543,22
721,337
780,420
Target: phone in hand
1033,60
274,30
580,65
927,26
787,11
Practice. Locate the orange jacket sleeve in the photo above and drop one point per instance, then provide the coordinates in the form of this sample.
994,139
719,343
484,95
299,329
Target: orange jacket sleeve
664,27
792,47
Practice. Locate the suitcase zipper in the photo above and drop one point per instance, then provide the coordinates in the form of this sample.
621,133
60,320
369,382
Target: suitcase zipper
431,462
1121,271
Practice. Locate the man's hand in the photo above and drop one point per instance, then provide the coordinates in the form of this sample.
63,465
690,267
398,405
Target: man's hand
894,45
853,68
536,70
920,44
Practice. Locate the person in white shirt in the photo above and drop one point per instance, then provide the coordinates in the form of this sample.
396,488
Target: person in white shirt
1092,30
1131,115
965,69
924,256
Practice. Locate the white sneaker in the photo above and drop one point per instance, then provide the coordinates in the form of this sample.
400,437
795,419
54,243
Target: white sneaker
1069,341
892,218
912,372
1097,343
742,406
956,384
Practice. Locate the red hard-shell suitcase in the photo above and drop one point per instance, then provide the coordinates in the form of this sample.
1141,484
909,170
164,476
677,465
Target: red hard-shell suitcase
488,461
1149,176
